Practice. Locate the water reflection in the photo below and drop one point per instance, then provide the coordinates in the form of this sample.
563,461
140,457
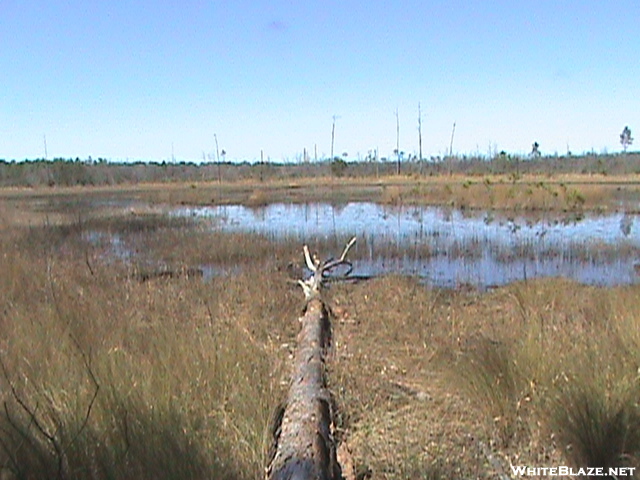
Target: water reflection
367,218
448,247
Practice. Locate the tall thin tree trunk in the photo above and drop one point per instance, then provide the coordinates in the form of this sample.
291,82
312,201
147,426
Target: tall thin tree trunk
398,141
218,158
333,133
420,137
453,131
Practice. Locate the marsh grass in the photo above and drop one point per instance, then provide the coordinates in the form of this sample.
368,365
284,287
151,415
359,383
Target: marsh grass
201,245
599,426
492,375
555,370
595,406
107,377
431,382
529,192
398,417
104,377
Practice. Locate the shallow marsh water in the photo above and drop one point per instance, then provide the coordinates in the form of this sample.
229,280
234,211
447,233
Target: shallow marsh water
449,248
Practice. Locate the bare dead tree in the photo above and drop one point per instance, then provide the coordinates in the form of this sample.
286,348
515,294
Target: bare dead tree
419,133
215,137
397,142
453,132
333,134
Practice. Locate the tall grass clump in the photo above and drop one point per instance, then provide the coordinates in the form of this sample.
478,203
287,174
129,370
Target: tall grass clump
495,379
595,406
598,427
106,377
558,376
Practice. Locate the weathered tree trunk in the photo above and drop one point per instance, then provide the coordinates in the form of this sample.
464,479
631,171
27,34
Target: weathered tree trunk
305,447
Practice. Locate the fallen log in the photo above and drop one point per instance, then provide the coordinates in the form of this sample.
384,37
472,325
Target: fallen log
305,447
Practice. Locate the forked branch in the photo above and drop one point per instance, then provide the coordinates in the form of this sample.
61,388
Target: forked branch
321,271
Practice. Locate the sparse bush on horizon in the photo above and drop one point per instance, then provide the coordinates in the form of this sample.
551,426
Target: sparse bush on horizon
71,172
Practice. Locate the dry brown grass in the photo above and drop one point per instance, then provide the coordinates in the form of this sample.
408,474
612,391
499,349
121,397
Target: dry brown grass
528,192
186,372
428,382
432,383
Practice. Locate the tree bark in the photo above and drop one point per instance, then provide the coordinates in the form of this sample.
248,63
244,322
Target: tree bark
305,447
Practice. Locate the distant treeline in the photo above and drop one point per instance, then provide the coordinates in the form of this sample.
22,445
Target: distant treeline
70,172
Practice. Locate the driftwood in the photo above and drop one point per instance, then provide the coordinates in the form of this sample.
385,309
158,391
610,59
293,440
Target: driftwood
305,447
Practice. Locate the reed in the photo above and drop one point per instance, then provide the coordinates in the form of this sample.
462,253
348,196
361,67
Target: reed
104,376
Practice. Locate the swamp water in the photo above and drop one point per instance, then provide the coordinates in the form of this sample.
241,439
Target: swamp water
449,248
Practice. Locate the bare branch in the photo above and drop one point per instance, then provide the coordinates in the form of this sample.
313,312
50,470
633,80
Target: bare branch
307,257
346,249
329,264
306,288
33,419
88,262
85,360
8,452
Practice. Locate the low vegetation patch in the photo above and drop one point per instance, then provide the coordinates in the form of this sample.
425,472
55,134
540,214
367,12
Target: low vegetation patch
105,376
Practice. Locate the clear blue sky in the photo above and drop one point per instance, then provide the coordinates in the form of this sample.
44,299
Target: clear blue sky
130,79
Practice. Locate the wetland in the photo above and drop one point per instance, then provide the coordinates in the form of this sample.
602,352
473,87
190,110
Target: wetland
147,330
